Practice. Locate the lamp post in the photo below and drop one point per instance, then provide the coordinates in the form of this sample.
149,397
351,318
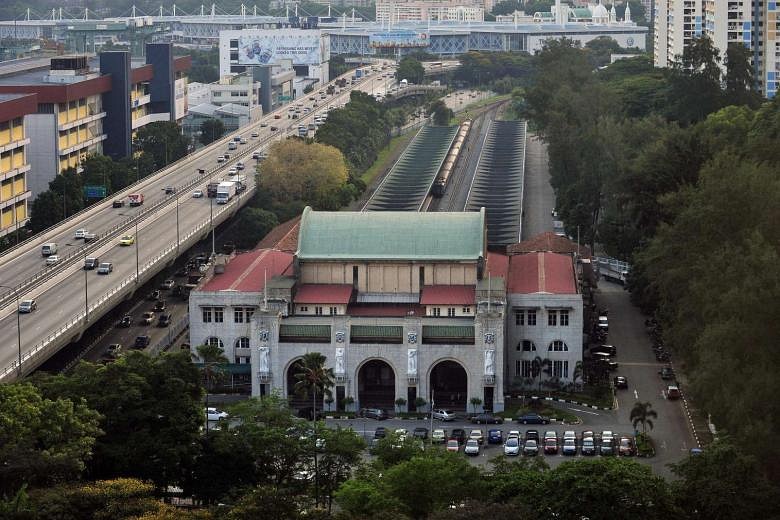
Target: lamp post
18,327
177,222
211,223
137,278
86,292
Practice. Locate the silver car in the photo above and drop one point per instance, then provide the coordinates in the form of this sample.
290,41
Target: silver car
512,447
472,447
443,415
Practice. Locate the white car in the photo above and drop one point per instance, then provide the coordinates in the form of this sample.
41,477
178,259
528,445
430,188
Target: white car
79,234
52,260
569,434
472,447
214,414
255,134
239,165
233,171
513,433
197,194
443,415
512,447
438,436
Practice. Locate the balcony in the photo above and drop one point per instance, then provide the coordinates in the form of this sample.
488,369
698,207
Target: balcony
489,380
151,118
88,119
264,377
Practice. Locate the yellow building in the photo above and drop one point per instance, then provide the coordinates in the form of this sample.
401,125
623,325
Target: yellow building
14,165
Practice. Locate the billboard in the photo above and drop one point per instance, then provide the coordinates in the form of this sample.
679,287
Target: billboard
399,38
269,47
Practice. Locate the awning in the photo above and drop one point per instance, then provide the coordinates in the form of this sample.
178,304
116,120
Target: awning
376,331
305,331
448,331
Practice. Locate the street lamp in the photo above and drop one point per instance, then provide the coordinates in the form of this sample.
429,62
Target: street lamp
86,292
137,277
211,223
177,222
18,327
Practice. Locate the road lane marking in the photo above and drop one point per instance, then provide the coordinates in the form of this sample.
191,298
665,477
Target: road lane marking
582,411
636,395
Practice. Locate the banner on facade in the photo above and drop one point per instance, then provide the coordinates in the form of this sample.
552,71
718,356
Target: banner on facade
399,38
302,47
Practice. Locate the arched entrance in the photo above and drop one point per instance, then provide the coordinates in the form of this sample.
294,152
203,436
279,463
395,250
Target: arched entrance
299,403
376,385
449,384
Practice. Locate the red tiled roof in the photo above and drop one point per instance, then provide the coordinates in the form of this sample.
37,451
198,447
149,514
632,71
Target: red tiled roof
497,264
323,293
247,272
283,237
386,310
550,273
548,241
447,294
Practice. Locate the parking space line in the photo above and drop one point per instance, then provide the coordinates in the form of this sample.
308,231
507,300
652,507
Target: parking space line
582,411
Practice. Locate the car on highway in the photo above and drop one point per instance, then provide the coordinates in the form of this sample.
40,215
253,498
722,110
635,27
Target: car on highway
147,318
141,342
569,447
91,263
221,159
477,435
164,320
170,190
373,413
113,350
420,433
472,448
197,194
531,447
274,129
126,321
127,240
89,237
588,446
105,268
626,446
459,434
495,436
487,418
621,382
533,418
118,203
27,306
167,284
239,165
443,415
512,447
215,414
438,436
453,445
52,260
79,234
255,134
673,392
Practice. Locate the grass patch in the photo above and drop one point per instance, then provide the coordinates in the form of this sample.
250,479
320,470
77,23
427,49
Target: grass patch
383,160
644,445
514,408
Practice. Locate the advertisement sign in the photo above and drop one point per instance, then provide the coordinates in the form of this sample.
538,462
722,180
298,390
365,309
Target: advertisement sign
268,48
399,38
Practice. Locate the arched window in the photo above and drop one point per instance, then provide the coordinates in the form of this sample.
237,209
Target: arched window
213,341
526,346
242,343
558,346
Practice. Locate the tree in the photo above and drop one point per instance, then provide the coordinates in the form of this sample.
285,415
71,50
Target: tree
394,449
364,497
313,378
538,6
266,502
400,403
475,402
411,70
539,367
213,358
739,77
211,130
723,483
42,441
642,413
419,402
441,113
507,7
341,451
163,142
310,174
251,226
152,413
64,197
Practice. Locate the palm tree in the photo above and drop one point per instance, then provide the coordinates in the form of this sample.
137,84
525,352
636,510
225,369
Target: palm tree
213,358
577,374
313,378
643,413
540,366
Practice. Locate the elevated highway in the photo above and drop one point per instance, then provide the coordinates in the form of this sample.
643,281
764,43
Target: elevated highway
70,298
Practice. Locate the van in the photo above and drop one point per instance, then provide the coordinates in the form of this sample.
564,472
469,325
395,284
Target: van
49,249
91,263
232,145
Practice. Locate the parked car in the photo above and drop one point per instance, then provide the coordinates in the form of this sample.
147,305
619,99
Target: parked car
512,447
380,433
472,448
513,433
164,320
167,284
453,445
373,413
673,392
126,321
443,415
160,306
621,382
532,434
27,306
495,436
569,447
105,268
487,418
477,435
533,418
550,446
214,414
147,318
606,349
459,434
588,446
142,342
530,448
607,444
667,373
438,436
420,433
114,350
626,446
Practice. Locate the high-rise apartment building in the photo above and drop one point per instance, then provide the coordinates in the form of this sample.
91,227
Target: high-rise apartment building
13,160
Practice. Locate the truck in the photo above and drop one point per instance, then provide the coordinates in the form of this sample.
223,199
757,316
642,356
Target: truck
225,191
239,180
211,189
358,74
135,199
331,89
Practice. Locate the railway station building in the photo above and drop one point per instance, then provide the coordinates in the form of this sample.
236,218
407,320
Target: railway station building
401,304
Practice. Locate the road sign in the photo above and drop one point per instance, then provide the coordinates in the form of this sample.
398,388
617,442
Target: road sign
95,192
285,98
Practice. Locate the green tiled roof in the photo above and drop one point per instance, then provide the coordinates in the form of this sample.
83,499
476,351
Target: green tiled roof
448,331
376,331
391,235
305,331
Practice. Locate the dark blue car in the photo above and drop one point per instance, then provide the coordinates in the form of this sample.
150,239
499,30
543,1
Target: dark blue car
495,437
533,418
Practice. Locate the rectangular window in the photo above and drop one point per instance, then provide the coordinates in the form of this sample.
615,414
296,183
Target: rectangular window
466,310
318,311
206,314
451,312
560,369
552,318
332,311
436,311
304,308
564,318
518,368
519,318
219,315
250,311
531,321
526,368
238,315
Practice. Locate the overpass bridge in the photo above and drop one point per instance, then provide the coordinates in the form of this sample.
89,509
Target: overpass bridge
414,90
69,298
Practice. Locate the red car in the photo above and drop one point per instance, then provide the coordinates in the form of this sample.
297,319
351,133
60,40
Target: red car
626,446
550,446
